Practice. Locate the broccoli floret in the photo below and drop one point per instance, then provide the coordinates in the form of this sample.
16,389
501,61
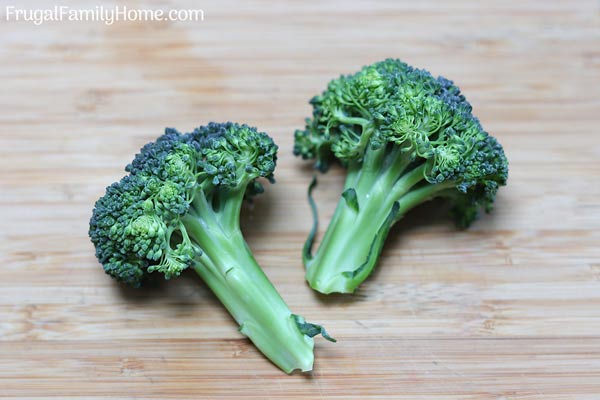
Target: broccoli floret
404,137
179,208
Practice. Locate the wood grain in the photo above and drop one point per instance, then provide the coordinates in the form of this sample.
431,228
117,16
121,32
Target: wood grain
509,309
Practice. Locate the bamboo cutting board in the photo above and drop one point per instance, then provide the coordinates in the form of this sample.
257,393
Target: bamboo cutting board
509,309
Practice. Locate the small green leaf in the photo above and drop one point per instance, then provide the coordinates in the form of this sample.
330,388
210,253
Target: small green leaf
311,330
308,245
351,199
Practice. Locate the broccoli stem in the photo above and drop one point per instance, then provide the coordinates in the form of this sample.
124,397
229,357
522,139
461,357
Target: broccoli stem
385,191
231,272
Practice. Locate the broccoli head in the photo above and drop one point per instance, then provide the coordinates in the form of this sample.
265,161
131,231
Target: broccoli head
179,208
404,137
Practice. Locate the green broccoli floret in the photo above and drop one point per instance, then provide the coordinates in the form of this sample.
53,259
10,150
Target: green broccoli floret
404,137
179,208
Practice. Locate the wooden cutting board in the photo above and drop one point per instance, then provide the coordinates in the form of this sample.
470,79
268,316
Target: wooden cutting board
509,309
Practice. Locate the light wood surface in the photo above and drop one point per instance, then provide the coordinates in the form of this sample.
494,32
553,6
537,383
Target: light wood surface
509,309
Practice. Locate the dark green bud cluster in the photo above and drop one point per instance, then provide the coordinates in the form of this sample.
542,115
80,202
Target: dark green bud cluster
394,106
234,154
137,225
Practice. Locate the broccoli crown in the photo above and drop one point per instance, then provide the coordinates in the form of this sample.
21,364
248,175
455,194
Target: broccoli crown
137,225
394,106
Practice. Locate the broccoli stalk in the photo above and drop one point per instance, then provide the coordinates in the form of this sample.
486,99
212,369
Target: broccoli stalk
229,269
358,233
405,138
179,208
